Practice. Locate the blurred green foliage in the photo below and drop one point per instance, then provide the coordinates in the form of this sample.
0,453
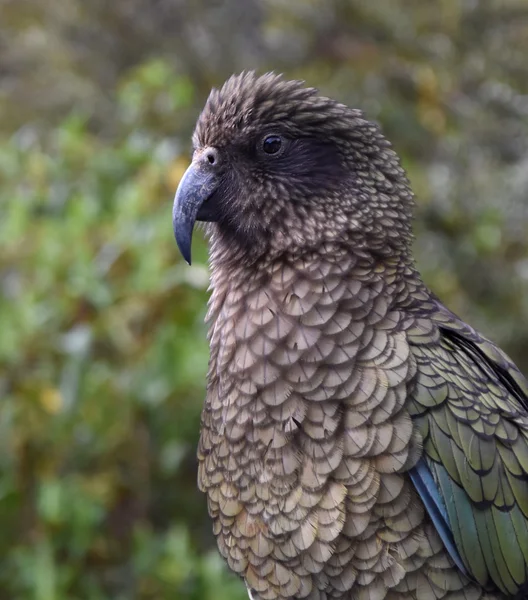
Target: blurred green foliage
102,354
103,350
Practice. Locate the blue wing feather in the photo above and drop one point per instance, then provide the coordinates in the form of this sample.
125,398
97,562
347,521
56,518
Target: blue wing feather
428,491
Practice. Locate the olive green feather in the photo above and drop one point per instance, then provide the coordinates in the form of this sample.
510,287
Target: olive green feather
471,405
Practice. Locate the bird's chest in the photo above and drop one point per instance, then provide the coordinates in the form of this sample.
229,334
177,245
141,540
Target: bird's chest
306,381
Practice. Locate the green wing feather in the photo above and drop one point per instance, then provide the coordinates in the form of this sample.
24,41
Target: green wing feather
471,406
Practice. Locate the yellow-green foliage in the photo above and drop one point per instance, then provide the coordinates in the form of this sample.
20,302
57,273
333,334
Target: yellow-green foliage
103,356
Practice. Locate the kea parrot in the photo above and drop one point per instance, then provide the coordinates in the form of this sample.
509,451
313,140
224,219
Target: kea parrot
358,440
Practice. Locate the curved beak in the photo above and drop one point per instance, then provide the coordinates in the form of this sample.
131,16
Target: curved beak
196,187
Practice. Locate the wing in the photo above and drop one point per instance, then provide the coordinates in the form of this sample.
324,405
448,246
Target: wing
471,406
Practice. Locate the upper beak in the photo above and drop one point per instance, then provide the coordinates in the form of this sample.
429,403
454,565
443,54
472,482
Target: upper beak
196,186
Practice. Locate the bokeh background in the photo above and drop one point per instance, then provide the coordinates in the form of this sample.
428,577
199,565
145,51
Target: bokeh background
102,344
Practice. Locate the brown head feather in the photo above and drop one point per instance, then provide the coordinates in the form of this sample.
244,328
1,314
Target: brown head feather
336,180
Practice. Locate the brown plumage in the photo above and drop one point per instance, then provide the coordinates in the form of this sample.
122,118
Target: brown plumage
340,391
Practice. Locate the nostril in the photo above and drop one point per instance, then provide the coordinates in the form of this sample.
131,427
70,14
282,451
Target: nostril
211,156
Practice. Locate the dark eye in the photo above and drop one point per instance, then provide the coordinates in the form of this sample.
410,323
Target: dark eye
272,144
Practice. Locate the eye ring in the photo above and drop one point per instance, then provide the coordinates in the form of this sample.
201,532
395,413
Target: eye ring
272,144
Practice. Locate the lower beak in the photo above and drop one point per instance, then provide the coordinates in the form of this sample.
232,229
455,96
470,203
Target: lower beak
196,187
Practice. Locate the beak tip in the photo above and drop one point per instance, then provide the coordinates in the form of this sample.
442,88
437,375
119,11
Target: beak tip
182,228
184,246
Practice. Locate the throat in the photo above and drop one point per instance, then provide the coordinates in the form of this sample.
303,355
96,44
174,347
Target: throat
283,319
295,282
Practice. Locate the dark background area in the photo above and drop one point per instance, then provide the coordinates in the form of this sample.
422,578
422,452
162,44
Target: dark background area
102,344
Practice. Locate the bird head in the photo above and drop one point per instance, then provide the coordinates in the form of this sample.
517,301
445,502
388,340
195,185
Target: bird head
277,167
